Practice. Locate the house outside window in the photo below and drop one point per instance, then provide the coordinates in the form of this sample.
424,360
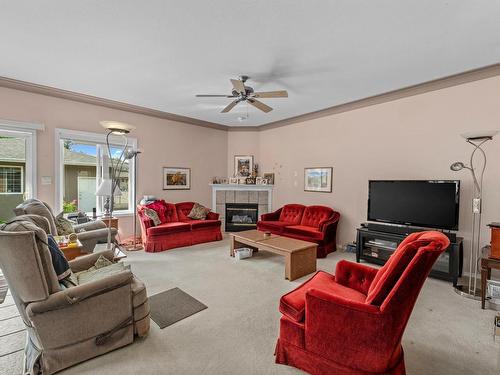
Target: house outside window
11,179
84,160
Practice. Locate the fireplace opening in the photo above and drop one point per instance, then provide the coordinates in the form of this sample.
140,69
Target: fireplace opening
241,216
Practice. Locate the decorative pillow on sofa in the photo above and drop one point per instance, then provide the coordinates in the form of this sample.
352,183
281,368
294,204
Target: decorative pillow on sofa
198,212
152,214
63,225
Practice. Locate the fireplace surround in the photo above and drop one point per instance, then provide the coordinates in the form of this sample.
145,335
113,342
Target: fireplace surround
222,194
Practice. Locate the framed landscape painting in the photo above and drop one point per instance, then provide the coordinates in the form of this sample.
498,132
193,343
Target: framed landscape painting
318,179
176,178
243,165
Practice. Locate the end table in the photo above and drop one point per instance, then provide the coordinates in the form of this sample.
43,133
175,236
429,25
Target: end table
487,263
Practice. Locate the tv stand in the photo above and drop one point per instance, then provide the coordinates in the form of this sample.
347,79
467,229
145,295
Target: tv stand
402,229
376,242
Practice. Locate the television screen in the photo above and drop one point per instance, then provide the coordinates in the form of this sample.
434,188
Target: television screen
432,204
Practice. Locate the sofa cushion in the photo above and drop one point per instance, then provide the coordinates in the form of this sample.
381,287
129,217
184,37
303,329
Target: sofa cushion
305,231
168,228
293,303
292,213
197,224
272,226
314,215
183,210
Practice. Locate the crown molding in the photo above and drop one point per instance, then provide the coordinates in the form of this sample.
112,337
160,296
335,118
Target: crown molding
421,88
113,104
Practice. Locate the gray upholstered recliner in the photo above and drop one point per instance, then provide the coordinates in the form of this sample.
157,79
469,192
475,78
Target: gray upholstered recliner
89,233
67,326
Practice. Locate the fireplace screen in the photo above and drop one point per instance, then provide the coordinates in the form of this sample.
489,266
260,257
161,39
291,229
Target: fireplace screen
241,216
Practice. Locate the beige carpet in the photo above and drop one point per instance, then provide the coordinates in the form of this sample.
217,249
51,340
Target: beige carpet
447,334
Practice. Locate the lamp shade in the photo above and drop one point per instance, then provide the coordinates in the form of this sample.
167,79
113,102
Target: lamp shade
104,189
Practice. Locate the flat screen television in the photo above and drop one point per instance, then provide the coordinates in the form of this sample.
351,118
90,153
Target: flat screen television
431,204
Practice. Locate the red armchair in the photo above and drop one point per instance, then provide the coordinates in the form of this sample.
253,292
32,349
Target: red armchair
353,322
316,224
176,229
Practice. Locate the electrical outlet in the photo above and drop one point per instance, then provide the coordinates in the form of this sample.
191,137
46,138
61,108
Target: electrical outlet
476,205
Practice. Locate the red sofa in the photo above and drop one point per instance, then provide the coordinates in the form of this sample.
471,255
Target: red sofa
312,223
176,229
352,323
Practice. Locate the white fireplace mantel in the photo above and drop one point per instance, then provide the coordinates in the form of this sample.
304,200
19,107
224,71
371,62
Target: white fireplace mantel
242,187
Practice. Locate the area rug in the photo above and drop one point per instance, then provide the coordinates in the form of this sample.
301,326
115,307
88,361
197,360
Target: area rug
173,305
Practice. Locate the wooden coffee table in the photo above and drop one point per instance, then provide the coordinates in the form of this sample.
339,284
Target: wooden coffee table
72,251
300,256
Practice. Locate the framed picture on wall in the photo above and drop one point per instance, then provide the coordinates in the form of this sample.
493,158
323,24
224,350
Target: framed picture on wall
318,179
243,165
175,178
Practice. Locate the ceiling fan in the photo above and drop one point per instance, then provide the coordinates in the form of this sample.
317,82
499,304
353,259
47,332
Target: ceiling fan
243,93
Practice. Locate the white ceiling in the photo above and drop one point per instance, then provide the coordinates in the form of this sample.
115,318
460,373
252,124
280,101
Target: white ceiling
159,54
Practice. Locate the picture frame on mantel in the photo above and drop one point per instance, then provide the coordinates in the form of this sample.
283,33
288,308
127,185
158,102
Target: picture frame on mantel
243,165
176,178
318,180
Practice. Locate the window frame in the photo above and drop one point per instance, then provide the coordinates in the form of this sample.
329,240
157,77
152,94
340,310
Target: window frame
28,131
21,168
98,139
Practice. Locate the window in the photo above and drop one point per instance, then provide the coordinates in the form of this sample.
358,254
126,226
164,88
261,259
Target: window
83,163
17,158
11,179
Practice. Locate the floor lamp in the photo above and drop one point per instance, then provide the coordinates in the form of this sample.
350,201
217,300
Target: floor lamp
132,154
117,163
477,166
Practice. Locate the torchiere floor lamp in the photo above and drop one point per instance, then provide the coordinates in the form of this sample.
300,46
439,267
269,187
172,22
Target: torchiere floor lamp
476,139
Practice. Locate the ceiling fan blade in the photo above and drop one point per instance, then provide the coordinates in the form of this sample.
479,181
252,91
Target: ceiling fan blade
230,106
214,96
238,86
271,94
263,107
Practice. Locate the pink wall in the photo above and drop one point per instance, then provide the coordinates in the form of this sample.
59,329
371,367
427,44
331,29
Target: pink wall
412,138
162,142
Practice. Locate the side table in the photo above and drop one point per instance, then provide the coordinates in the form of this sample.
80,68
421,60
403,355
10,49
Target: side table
487,264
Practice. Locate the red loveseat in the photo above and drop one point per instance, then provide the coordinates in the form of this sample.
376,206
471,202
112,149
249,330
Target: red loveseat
352,323
312,223
176,229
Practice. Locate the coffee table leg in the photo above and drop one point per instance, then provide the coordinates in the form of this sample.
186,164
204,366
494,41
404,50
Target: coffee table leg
300,263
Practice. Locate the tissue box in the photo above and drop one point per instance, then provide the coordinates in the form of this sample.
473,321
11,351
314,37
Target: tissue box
242,253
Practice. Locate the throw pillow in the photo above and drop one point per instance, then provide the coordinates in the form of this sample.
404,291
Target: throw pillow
198,212
63,225
153,215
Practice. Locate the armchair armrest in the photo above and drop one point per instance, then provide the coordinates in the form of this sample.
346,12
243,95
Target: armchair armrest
336,327
85,262
79,293
145,221
213,216
271,216
355,276
89,226
329,223
97,233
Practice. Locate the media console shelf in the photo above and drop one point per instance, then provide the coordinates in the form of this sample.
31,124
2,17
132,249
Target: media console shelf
375,244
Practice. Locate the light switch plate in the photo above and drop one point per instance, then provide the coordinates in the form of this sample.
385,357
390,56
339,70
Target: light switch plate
476,205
